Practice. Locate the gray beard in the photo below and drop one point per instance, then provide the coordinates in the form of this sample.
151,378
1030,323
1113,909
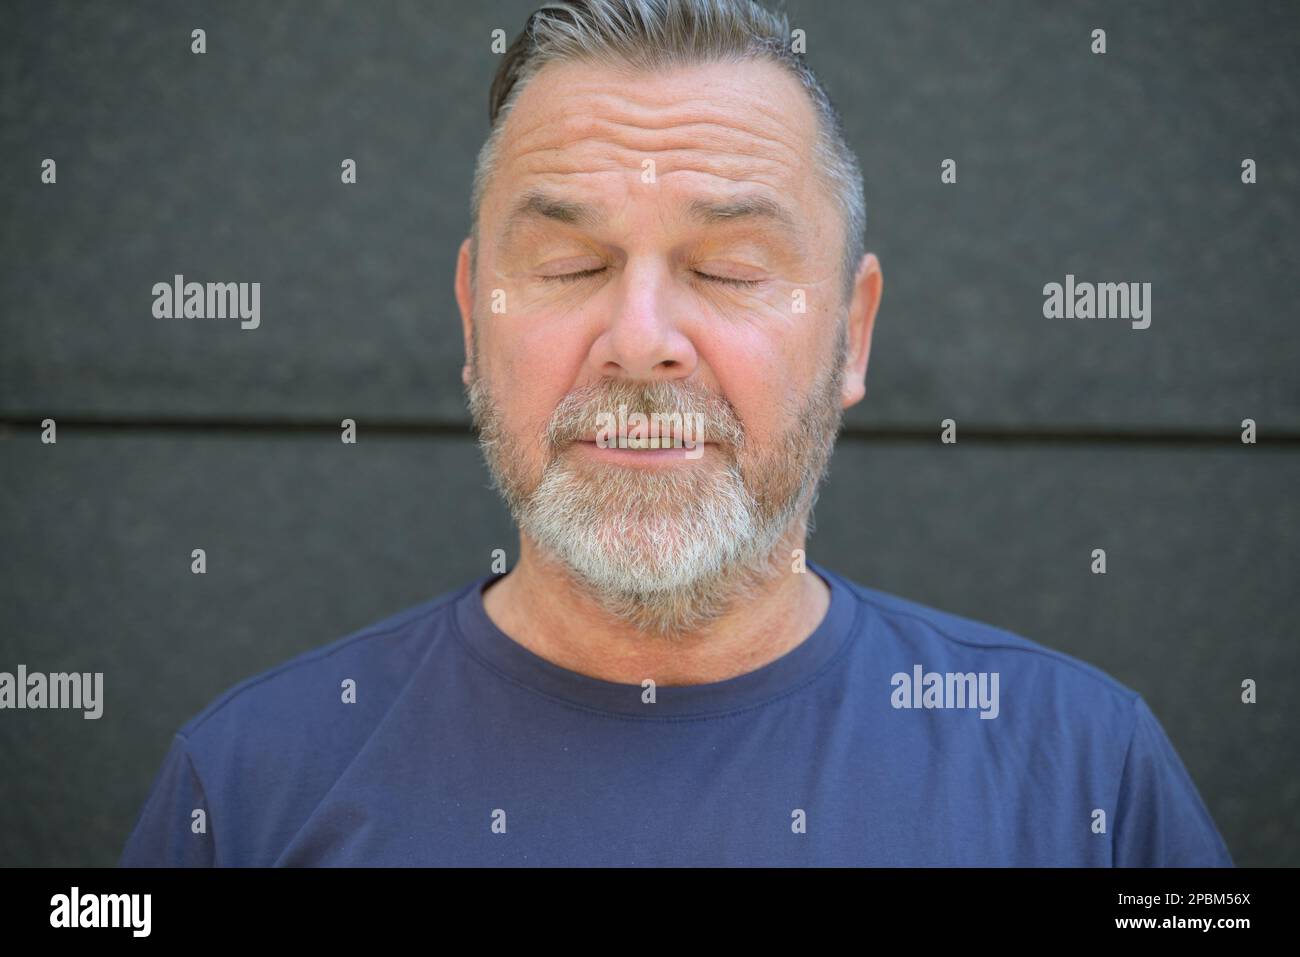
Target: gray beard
669,551
665,552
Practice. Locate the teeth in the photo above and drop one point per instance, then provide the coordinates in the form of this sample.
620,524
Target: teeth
655,442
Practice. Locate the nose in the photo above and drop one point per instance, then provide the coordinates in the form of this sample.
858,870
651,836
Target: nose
643,337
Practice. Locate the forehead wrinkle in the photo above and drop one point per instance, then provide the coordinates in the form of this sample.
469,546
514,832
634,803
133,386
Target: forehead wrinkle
563,135
555,115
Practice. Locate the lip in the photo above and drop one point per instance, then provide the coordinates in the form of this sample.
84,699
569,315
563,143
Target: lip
672,457
591,440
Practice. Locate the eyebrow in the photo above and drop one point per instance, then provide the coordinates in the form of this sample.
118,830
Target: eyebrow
752,206
538,204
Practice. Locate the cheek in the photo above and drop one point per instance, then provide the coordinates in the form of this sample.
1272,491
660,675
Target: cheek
534,365
759,376
538,341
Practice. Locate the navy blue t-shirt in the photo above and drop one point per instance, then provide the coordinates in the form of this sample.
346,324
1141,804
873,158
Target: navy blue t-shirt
895,734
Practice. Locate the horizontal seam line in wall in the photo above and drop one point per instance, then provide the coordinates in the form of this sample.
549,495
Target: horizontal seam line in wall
418,428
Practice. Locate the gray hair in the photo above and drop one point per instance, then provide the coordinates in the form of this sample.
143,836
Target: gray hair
652,34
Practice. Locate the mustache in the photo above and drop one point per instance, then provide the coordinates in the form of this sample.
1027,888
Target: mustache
580,413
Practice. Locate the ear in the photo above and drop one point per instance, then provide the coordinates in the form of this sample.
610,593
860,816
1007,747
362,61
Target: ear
465,300
868,286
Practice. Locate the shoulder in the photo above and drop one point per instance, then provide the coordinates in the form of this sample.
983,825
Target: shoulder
267,750
901,633
347,683
1064,727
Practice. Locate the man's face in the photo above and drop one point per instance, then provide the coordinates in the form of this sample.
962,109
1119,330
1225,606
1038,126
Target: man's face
679,256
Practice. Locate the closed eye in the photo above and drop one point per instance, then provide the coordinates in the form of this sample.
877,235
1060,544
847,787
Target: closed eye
726,280
573,276
588,273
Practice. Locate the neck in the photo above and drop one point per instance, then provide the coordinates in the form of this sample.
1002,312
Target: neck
540,606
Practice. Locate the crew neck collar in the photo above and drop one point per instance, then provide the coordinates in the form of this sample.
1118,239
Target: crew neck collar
782,676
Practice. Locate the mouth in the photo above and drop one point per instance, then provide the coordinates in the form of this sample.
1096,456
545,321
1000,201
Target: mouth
644,452
638,443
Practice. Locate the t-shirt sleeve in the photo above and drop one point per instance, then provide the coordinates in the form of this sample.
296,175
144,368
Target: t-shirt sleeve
1161,820
167,832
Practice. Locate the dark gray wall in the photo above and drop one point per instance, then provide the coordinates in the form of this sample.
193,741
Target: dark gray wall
176,435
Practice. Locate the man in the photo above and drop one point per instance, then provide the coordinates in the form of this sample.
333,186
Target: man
666,309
